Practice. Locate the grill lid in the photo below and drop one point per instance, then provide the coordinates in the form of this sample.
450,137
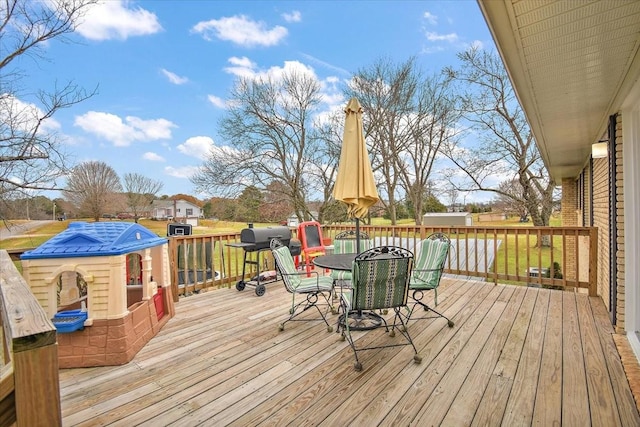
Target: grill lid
261,237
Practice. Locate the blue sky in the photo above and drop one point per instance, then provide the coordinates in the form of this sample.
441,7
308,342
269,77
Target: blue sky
163,68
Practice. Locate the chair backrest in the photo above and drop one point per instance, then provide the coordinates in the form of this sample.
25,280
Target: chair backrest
310,236
285,265
380,278
430,259
345,242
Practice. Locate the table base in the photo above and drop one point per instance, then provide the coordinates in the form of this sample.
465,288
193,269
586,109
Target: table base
362,320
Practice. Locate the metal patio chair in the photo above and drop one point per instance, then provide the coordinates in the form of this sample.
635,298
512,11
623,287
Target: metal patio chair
380,280
345,243
312,288
426,274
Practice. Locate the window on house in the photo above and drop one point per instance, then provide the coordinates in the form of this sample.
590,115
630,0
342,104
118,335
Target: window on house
71,289
189,212
134,269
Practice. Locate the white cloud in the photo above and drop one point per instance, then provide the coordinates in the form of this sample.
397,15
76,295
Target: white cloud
153,157
435,37
241,67
174,78
294,16
113,19
326,64
123,133
242,62
240,30
247,69
433,49
216,101
431,18
197,146
25,116
185,172
477,44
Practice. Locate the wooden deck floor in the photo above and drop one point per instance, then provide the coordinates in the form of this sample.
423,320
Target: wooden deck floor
516,356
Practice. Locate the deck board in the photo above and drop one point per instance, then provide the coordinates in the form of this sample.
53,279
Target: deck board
492,406
548,402
470,394
598,380
519,410
574,382
515,356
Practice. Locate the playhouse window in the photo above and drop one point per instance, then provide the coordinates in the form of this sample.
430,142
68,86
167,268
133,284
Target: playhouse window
134,269
71,290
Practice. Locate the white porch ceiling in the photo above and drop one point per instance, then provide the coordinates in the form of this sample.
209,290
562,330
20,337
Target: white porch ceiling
571,62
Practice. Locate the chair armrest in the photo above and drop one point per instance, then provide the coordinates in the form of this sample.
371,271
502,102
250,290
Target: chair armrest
300,273
425,270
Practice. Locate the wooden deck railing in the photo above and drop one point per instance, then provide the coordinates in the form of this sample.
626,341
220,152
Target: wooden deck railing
29,386
563,257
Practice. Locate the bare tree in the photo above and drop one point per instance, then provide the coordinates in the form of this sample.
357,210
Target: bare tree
93,187
407,118
452,197
385,92
275,207
140,191
270,125
326,158
432,125
513,204
506,147
31,155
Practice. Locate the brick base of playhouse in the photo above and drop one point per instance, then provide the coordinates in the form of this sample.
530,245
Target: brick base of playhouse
114,341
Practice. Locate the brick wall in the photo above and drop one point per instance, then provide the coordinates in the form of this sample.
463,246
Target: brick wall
569,208
113,342
601,201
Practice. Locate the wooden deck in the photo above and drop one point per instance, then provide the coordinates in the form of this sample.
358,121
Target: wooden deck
516,356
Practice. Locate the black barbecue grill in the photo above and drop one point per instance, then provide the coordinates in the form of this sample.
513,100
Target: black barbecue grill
255,241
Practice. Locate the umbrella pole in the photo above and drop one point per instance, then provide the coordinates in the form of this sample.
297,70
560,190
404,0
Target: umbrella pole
373,320
357,235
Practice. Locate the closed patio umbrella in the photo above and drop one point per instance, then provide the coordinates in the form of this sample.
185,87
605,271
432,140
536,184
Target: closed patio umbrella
355,184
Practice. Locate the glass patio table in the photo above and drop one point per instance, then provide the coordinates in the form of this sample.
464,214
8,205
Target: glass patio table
341,262
358,320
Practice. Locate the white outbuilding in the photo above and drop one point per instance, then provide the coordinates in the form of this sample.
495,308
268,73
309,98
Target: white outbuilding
447,219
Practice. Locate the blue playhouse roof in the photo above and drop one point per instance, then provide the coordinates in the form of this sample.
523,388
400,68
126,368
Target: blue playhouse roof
83,239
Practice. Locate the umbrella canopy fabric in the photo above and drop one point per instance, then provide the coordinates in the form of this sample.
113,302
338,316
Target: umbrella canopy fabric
355,184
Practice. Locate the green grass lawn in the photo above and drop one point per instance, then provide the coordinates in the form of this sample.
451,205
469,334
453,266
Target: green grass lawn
505,261
37,236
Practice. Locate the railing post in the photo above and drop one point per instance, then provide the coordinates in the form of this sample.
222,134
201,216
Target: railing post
173,262
593,261
34,350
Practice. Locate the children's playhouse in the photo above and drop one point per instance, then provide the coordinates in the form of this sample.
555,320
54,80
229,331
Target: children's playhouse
106,287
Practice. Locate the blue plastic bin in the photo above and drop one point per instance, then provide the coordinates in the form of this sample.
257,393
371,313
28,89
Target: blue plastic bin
69,320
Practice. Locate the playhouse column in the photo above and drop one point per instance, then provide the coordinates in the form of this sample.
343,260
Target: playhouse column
149,287
116,288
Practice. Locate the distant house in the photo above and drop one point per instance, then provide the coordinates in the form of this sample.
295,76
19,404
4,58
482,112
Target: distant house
491,216
176,210
449,219
292,220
